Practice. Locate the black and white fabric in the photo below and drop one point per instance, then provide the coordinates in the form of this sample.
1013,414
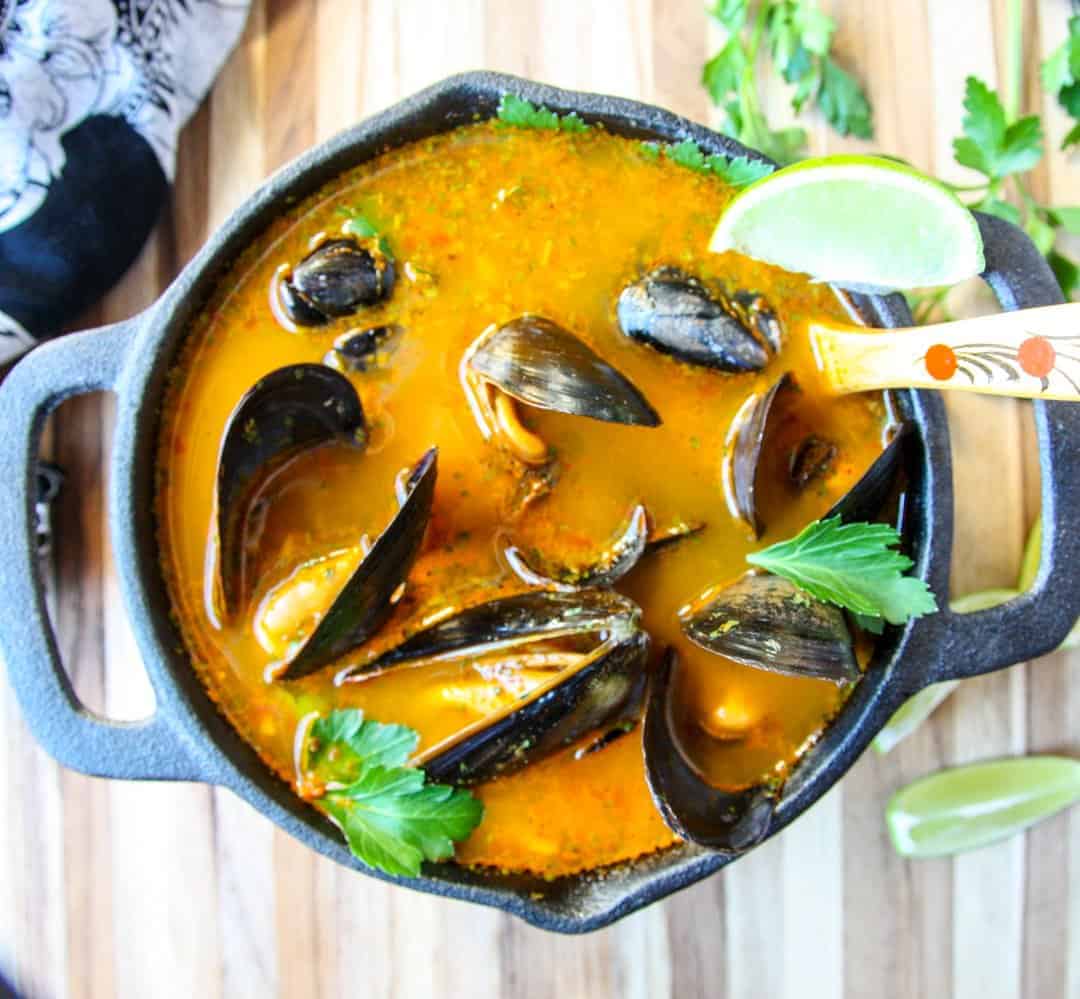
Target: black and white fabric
92,96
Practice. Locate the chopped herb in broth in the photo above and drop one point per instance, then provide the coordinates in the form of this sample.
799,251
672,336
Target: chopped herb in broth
395,275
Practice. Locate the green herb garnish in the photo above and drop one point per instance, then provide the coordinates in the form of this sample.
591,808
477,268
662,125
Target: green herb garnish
854,566
990,144
997,142
358,224
1061,77
390,817
738,171
798,36
520,113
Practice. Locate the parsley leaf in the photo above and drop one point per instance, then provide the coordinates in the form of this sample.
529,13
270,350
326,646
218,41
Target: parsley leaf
853,566
341,744
843,102
1068,217
730,14
358,224
520,113
390,817
723,72
1066,272
799,37
1061,77
991,146
688,154
738,171
393,821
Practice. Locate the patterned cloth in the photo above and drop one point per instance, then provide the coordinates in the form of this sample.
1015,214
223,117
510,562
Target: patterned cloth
92,96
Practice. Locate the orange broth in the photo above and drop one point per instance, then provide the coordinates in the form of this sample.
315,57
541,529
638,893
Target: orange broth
486,223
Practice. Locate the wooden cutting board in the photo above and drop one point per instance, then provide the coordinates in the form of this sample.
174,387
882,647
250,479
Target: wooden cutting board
141,890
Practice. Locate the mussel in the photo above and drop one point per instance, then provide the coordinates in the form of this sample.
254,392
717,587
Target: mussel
744,452
865,499
535,361
359,351
756,314
621,556
769,623
727,820
289,410
674,313
811,459
336,279
362,605
593,684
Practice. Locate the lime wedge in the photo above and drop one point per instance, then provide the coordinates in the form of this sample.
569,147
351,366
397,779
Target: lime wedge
972,806
857,221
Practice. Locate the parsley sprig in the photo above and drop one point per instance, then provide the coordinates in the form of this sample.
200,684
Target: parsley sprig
1001,145
854,566
738,171
391,818
520,113
798,37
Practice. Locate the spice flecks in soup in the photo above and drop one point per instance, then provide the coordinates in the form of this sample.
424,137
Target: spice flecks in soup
486,224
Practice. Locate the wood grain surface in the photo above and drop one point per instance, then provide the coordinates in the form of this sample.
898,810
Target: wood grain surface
172,890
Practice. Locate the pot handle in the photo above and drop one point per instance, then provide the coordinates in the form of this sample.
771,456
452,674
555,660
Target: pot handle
76,737
1036,622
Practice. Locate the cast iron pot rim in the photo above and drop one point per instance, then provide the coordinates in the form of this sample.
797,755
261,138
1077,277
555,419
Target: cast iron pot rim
217,754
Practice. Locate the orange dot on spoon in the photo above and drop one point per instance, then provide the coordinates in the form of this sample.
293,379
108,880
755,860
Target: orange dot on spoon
1037,356
941,362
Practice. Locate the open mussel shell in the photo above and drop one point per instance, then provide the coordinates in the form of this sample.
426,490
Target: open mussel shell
604,688
336,279
541,364
744,456
866,499
506,622
769,623
621,556
674,313
291,409
364,603
730,821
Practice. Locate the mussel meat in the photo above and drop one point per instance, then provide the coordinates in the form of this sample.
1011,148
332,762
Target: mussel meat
756,314
289,410
727,820
744,453
674,313
358,351
621,556
336,279
811,459
367,598
535,361
769,623
593,685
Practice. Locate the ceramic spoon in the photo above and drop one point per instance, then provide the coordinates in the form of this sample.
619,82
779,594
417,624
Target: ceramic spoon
1028,354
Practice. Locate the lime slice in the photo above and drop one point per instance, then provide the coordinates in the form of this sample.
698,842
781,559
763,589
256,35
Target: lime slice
972,806
917,708
857,221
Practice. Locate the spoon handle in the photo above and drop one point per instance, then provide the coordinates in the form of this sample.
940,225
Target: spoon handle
1028,354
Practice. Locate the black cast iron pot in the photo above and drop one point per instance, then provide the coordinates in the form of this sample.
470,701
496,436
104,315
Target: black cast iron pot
187,739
